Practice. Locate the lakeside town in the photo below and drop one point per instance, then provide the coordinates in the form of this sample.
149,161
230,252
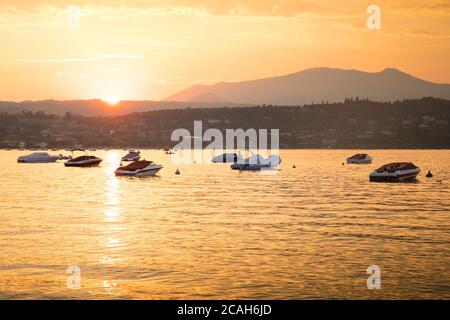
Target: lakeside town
354,123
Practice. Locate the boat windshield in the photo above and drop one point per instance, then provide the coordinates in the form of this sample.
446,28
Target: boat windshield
359,156
137,165
83,158
392,167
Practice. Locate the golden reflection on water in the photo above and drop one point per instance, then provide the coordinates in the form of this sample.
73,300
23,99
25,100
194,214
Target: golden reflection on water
305,232
112,229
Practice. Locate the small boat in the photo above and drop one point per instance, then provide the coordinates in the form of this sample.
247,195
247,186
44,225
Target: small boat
226,158
38,157
63,157
83,161
395,172
170,152
132,156
360,158
257,162
141,168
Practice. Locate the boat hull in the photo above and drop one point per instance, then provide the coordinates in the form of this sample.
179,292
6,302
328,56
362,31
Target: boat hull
91,163
49,160
146,172
401,176
364,161
248,167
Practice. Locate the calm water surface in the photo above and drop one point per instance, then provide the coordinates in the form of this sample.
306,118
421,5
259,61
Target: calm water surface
308,232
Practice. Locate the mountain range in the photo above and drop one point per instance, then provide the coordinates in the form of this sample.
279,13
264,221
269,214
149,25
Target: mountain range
317,85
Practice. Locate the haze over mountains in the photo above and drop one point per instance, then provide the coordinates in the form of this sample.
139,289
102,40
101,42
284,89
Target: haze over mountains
317,85
305,87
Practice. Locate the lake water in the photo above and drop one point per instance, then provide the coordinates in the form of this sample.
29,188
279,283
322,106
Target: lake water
305,232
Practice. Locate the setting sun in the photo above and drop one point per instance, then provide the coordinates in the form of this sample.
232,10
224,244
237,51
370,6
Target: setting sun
111,101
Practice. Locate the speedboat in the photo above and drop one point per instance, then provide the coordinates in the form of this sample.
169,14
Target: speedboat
132,156
38,157
83,161
141,168
395,172
226,158
360,158
257,162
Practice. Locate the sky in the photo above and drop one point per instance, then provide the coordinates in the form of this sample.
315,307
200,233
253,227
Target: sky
148,50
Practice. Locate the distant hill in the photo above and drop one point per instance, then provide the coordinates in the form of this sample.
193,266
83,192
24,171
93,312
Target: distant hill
353,124
309,86
317,85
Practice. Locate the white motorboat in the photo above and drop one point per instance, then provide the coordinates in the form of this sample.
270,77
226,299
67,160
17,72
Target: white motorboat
360,158
132,156
226,158
395,172
257,162
83,161
141,168
38,157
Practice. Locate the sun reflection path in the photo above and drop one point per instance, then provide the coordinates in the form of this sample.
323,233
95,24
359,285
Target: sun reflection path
112,242
112,200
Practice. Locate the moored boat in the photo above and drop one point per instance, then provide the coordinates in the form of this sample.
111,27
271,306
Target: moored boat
226,158
83,161
360,158
395,172
257,162
140,168
38,157
132,156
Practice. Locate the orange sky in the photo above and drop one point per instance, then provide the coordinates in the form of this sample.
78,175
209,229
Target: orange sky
150,49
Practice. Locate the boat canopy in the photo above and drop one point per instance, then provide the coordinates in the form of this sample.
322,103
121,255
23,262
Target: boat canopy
82,158
137,165
359,156
392,167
